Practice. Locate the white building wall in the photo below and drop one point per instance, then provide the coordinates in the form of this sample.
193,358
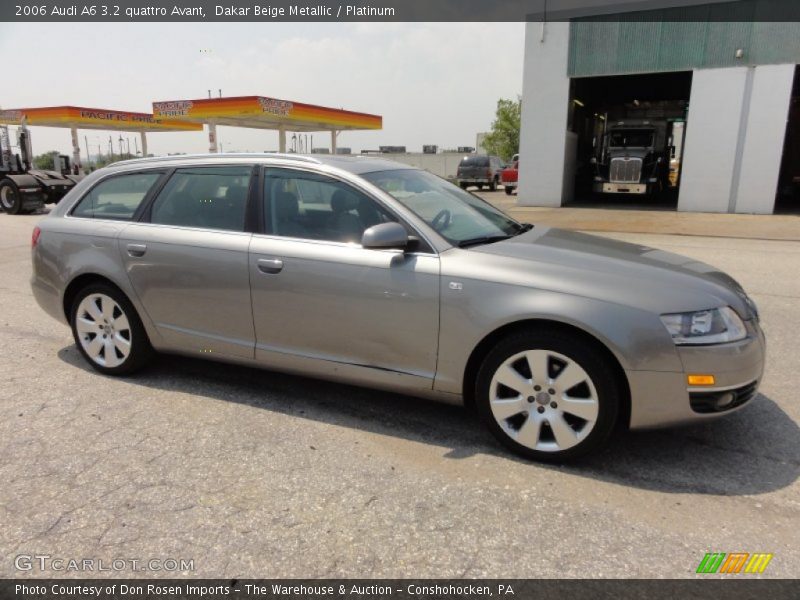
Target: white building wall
712,136
762,151
545,102
442,164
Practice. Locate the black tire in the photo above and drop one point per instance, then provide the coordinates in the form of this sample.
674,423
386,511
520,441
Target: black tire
140,353
509,189
463,186
576,348
10,198
493,185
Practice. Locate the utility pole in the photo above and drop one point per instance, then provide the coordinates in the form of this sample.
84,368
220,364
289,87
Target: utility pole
88,158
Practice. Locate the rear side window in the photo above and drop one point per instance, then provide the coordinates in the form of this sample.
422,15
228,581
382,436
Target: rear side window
206,197
117,197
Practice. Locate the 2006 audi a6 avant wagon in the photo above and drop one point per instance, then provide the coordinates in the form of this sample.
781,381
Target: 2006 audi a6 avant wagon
369,272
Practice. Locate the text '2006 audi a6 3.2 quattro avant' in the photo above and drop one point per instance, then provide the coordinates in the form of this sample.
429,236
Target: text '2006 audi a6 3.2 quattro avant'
369,272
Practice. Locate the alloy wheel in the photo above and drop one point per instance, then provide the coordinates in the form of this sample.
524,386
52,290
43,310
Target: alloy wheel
543,400
103,330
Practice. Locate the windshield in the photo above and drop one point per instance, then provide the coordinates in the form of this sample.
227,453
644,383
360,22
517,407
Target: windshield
456,215
637,138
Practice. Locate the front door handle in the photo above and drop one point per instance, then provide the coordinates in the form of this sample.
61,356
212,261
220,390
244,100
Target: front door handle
270,266
136,250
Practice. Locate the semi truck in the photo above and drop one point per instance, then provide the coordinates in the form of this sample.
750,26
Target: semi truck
634,158
23,188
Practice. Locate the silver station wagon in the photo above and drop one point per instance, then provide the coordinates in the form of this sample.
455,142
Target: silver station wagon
365,271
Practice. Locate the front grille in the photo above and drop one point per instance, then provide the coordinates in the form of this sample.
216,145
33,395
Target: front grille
715,402
625,170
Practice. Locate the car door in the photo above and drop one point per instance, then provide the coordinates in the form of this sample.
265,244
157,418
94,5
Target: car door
317,294
187,261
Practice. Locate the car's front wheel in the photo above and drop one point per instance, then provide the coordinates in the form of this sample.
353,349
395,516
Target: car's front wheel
108,332
548,395
509,189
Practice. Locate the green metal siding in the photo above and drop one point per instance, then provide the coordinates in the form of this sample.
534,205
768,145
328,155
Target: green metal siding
680,40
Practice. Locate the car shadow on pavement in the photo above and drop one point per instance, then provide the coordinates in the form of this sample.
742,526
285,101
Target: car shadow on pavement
754,451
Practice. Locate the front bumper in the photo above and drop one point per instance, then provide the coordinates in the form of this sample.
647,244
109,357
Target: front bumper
620,188
660,399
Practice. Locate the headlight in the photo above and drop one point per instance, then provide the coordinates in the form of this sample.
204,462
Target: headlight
714,326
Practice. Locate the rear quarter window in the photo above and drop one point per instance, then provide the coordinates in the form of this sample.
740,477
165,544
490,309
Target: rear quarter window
117,197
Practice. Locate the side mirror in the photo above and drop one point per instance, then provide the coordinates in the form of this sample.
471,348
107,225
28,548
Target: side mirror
385,236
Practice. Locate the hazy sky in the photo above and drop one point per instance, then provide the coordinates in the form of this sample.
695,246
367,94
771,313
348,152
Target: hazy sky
433,83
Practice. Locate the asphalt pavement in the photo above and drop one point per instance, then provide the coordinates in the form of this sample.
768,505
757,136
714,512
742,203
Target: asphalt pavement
250,473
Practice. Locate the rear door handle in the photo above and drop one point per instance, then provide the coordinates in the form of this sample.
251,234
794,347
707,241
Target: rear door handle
270,266
136,250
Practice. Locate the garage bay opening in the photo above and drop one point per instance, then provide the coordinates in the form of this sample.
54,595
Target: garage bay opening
627,133
788,198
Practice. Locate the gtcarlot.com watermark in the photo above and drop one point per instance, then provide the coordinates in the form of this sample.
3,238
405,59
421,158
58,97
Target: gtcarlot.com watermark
46,562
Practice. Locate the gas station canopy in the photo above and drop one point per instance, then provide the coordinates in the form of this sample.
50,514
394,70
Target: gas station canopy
257,112
92,118
74,117
261,112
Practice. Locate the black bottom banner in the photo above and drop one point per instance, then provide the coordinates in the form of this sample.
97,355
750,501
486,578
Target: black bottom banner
401,589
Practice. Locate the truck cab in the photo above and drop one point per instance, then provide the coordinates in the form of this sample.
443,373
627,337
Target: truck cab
633,159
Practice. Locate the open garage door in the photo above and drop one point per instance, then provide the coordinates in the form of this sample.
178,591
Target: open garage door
788,199
628,133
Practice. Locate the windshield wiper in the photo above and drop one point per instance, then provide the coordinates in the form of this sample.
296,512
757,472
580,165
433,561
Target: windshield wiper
523,227
486,239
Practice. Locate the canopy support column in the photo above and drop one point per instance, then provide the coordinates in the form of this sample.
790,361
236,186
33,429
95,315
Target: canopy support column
76,150
144,144
212,137
334,133
282,140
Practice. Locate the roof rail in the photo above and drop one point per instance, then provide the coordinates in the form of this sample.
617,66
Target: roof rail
285,156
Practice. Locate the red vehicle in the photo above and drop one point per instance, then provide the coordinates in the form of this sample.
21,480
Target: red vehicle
508,177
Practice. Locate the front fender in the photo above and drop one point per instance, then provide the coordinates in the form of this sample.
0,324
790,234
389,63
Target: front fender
636,337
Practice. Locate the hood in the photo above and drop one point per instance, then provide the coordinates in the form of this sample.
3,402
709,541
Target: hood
610,270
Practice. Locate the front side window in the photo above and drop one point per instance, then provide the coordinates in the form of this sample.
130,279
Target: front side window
458,216
205,197
311,206
116,198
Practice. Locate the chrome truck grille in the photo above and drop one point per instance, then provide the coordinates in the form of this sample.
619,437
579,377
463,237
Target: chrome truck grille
625,170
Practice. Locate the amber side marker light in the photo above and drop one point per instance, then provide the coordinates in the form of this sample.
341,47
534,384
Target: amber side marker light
700,379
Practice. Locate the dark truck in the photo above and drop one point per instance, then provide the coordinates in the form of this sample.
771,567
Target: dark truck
634,159
25,189
479,170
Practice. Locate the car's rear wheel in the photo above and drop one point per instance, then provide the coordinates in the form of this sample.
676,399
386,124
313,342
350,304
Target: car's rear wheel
10,198
548,395
509,189
463,186
108,332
